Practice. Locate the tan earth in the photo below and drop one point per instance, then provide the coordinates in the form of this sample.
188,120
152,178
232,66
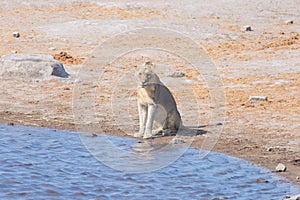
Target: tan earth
262,62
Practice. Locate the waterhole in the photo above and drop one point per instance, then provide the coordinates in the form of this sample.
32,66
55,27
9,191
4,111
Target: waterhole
38,163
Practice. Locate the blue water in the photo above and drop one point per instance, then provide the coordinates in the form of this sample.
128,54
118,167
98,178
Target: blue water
38,163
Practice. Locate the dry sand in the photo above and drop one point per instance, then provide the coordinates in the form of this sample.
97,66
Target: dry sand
264,62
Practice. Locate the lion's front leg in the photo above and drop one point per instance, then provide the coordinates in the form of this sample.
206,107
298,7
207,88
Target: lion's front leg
150,118
142,119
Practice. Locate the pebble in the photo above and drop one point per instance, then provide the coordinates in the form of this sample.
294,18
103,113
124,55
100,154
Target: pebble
14,51
261,180
280,168
176,74
177,140
255,99
16,34
296,197
78,80
289,22
247,28
52,48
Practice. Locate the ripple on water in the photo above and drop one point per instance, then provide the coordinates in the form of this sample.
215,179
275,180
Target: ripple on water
43,163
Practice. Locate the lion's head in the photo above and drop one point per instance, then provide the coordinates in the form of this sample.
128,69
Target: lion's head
145,75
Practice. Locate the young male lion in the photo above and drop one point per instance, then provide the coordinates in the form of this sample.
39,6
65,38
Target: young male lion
152,94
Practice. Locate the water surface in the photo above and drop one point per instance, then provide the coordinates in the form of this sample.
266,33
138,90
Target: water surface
38,163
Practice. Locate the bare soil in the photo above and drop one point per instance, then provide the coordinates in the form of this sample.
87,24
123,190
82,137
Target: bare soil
263,62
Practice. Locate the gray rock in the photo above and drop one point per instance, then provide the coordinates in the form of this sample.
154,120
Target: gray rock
176,74
33,66
269,149
177,140
296,197
52,48
261,180
289,22
255,99
59,70
247,28
16,34
281,168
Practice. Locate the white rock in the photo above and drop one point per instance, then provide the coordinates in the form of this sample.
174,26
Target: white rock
16,34
78,80
289,22
296,197
52,48
255,99
33,66
175,74
247,28
269,149
280,168
177,140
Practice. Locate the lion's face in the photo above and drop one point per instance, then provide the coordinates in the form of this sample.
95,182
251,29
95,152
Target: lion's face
145,75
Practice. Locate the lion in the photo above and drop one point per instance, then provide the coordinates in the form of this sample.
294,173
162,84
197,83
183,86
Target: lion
152,95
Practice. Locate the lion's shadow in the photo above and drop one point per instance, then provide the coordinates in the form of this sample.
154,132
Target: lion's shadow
190,131
184,132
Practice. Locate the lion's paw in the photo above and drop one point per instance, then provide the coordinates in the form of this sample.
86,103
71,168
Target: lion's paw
138,134
168,132
147,135
158,131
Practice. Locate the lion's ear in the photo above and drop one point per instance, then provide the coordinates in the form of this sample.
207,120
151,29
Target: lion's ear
150,65
153,66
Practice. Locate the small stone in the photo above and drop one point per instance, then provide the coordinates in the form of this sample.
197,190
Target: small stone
78,80
52,48
261,180
296,197
215,17
176,140
280,168
255,99
269,149
298,178
176,74
16,34
14,51
247,28
289,22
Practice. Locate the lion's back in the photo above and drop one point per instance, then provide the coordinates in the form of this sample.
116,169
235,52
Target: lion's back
166,99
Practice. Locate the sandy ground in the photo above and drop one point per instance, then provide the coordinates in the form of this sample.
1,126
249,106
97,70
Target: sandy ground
264,62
